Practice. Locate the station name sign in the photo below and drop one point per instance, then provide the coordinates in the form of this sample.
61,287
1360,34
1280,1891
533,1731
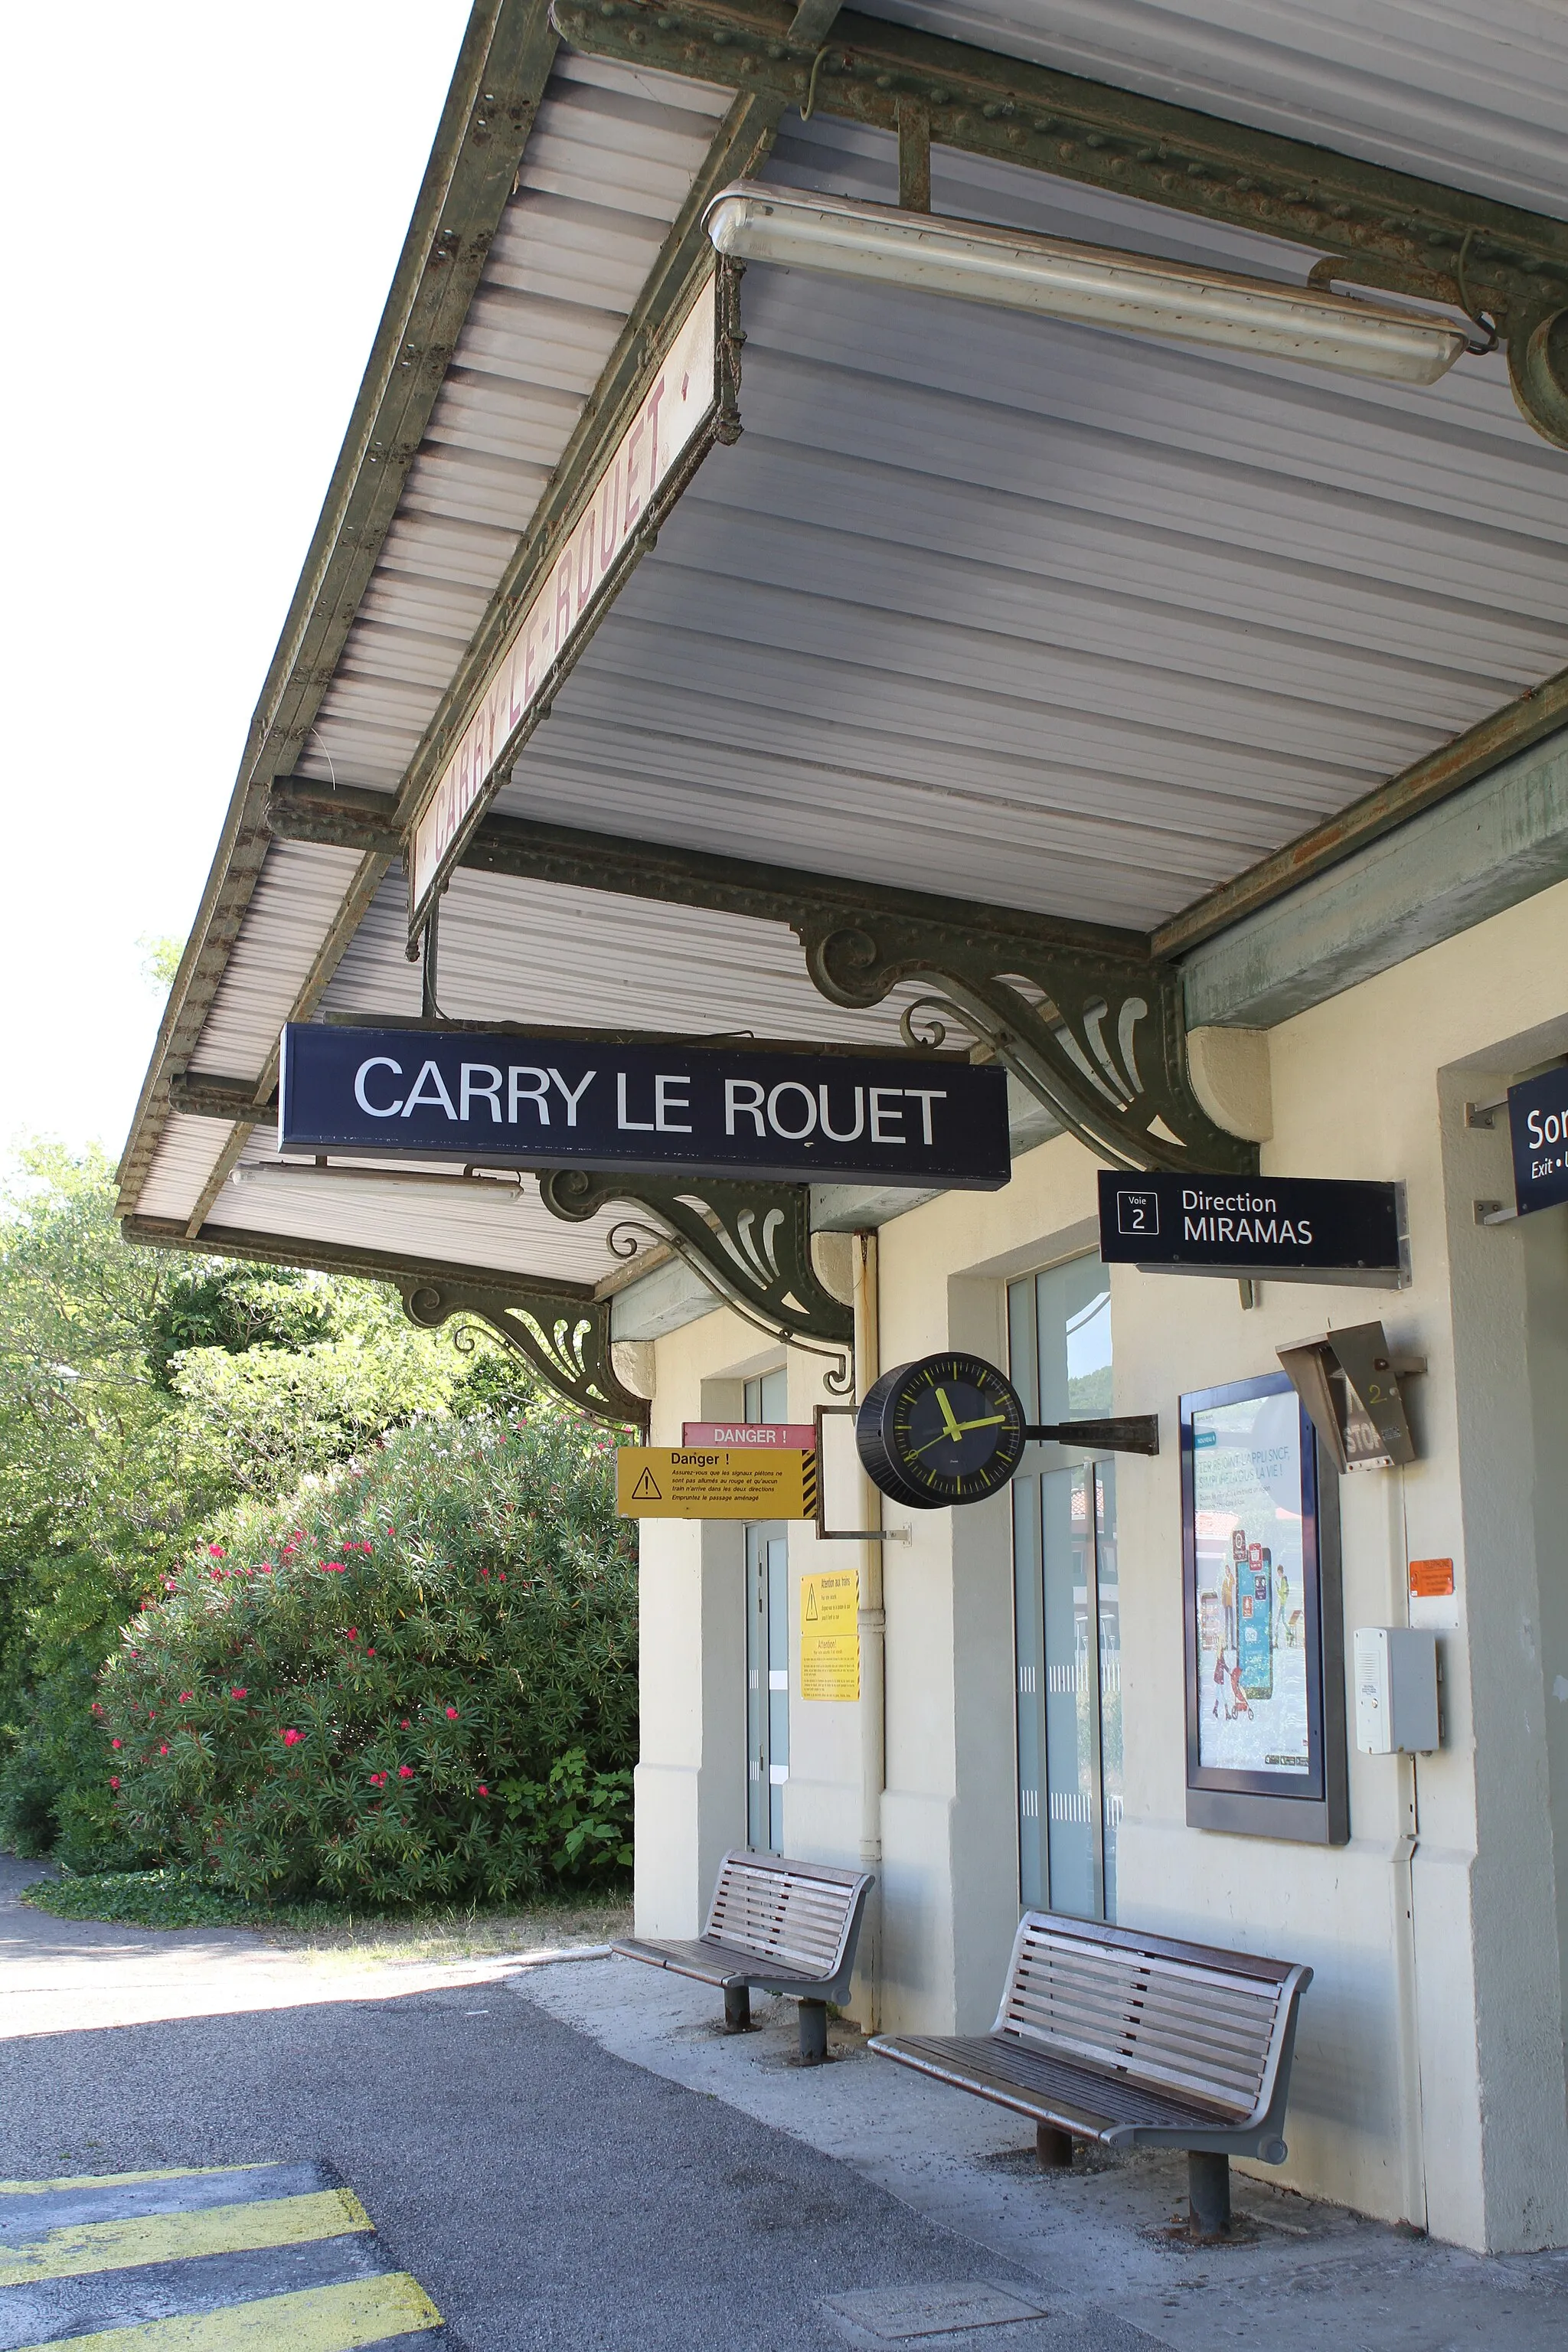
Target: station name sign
668,433
1538,1132
500,1100
1278,1228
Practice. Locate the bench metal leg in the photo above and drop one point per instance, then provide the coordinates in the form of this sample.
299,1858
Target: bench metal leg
1053,2148
737,2009
1208,2194
812,2033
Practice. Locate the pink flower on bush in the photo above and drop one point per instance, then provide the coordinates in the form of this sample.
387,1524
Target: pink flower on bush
238,1691
114,1743
292,1738
451,1715
186,1698
266,1569
162,1752
483,1790
115,1782
216,1551
370,1654
405,1723
378,1780
406,1771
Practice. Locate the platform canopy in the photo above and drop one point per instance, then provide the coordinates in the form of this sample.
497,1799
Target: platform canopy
996,657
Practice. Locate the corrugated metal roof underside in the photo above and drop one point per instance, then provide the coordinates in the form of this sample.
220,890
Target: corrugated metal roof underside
514,951
609,165
293,908
1051,618
1472,92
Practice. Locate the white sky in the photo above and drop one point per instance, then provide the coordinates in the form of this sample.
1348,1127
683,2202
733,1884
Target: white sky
205,205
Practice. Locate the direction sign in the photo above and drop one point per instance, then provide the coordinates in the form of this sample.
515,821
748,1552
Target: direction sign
673,1482
1275,1228
500,1100
1538,1131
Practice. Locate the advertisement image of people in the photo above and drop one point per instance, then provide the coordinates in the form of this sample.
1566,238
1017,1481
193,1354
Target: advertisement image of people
1252,1673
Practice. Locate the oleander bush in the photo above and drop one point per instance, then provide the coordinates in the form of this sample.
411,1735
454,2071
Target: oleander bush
414,1682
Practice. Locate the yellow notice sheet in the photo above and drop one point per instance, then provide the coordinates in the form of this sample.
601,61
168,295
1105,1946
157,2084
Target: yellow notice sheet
673,1482
830,1635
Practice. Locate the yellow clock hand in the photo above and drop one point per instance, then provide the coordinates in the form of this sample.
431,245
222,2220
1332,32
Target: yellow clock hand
991,1421
950,1424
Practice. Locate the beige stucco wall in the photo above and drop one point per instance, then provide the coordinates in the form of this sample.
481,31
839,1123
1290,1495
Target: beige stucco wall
1429,2084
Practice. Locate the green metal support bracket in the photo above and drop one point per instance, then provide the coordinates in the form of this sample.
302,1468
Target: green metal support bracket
1083,1014
1382,227
751,1243
560,1328
566,1340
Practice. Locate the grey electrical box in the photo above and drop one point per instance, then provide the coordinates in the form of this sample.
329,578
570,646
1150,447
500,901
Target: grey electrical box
1349,1382
1395,1670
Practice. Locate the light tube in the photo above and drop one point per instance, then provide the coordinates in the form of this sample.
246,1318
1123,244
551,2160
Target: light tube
1020,271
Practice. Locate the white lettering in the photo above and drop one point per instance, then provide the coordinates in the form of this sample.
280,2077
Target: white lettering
734,1107
628,1123
470,1076
1304,1232
925,1097
792,1087
376,1062
572,1099
419,1099
880,1112
665,1102
849,1134
1532,1128
518,1093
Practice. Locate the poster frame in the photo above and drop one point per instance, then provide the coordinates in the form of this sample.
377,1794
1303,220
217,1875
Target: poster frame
1274,1804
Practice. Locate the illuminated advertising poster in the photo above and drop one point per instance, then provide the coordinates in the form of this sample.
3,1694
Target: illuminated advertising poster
1252,1655
1265,1724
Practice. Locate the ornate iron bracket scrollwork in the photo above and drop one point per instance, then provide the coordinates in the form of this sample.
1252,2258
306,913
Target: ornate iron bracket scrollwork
751,1243
566,1340
1094,1030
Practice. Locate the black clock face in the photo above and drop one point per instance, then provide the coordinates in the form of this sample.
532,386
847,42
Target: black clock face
948,1429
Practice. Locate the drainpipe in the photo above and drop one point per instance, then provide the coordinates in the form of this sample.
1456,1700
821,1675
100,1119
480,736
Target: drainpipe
873,1633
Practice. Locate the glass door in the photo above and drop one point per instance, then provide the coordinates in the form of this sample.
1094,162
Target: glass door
1065,1598
767,1649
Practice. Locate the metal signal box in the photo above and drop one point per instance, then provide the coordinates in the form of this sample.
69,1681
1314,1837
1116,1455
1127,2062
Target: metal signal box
1397,1708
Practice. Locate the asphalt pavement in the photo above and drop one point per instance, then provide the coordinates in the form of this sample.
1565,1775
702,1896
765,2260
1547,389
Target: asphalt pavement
544,2192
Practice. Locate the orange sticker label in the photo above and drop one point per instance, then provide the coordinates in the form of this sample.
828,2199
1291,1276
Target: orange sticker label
1430,1578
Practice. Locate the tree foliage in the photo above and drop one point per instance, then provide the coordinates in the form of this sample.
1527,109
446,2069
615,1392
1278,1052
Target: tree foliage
413,1682
141,1393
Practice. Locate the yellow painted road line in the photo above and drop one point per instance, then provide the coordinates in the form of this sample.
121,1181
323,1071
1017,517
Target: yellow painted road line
318,2319
124,2179
74,2251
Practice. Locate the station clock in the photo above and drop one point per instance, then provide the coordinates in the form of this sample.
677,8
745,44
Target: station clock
946,1429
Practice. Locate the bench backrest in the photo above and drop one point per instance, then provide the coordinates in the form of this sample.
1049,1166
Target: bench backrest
1183,2019
798,1914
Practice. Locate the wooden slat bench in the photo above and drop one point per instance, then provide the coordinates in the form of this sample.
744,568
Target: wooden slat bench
784,1927
1136,2042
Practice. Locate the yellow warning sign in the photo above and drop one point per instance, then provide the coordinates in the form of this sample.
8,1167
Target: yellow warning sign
830,1635
673,1482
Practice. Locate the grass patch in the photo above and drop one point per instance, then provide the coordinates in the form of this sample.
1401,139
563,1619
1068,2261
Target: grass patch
183,1898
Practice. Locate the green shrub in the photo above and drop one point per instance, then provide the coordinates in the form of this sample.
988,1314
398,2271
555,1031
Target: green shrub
415,1682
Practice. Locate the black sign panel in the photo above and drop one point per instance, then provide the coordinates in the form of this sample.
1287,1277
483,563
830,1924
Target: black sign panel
1537,1128
1281,1228
508,1101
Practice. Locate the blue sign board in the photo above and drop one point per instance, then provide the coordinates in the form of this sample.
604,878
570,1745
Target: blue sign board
495,1099
1538,1130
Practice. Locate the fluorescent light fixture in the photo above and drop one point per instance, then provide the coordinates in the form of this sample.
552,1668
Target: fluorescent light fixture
1130,291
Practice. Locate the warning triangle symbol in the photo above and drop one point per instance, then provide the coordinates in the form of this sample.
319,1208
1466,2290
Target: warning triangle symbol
810,1606
646,1490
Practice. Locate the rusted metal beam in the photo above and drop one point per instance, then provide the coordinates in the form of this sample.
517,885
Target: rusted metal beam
1441,774
1382,227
